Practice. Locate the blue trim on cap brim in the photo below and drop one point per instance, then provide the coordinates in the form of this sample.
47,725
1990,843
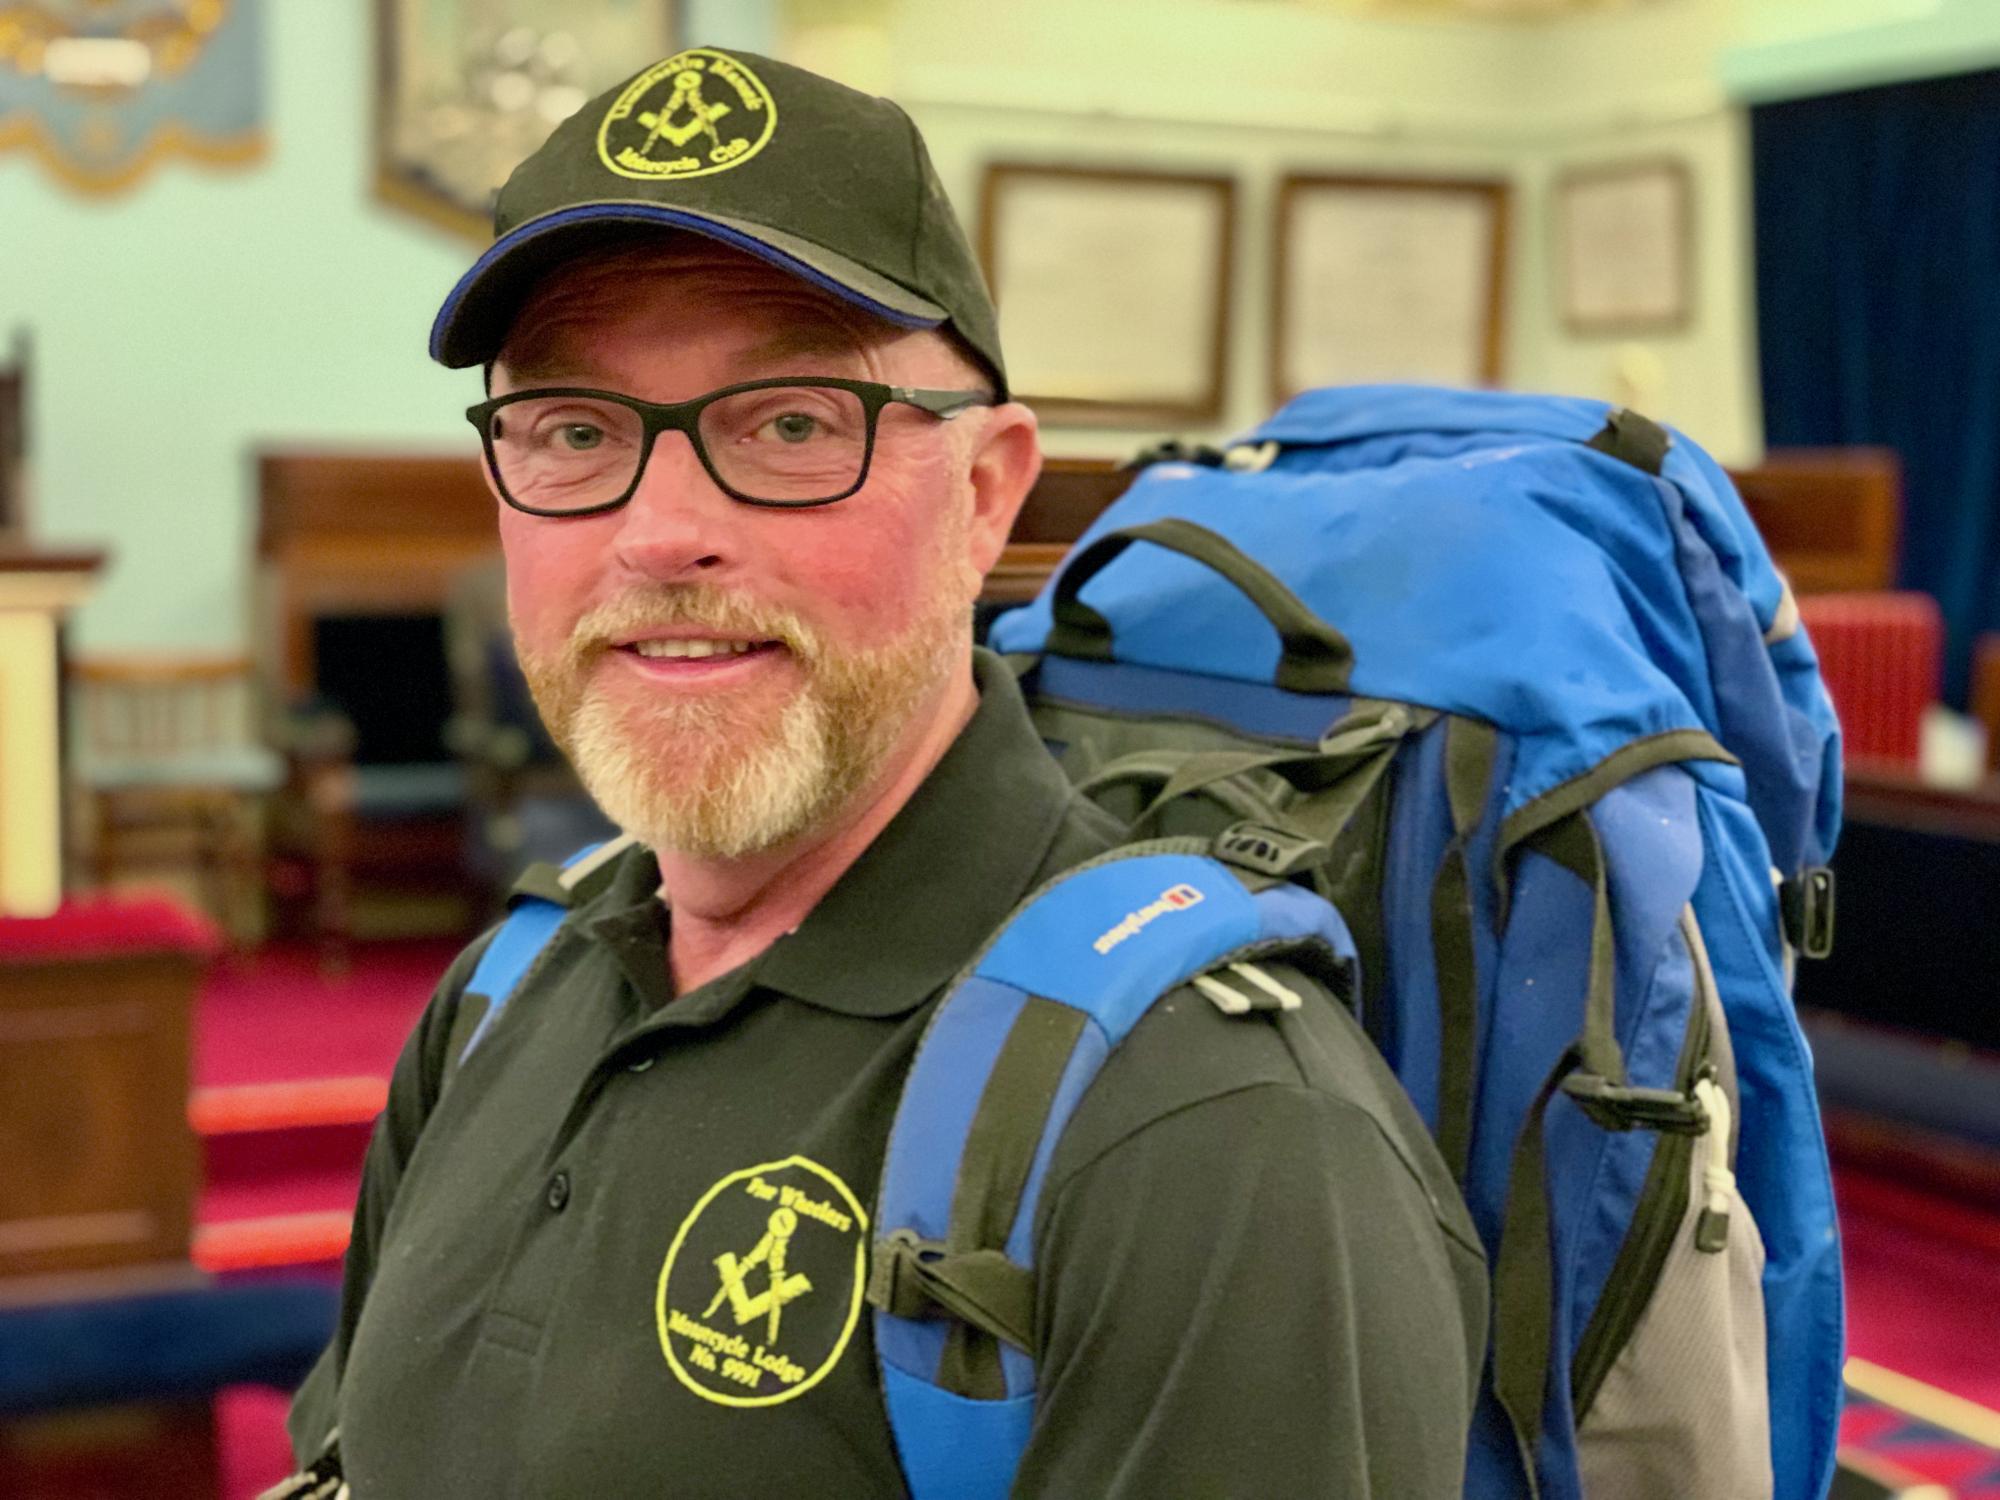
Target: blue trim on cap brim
674,218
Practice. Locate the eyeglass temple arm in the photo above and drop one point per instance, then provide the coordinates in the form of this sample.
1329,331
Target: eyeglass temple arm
941,404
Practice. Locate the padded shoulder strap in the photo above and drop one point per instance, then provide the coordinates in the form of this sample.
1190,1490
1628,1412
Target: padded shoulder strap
1007,1057
541,901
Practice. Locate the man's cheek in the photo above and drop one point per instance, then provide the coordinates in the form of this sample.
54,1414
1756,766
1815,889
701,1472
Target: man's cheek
543,600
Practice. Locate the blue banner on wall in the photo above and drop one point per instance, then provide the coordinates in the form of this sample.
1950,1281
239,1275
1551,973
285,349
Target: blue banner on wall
103,90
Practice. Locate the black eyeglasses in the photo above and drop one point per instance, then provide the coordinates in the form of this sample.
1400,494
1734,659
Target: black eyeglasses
785,442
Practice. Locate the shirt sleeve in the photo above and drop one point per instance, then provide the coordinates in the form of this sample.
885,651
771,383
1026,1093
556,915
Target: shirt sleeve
1254,1296
413,1091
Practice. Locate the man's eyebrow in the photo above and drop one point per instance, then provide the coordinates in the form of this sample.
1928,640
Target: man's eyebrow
796,340
549,365
551,360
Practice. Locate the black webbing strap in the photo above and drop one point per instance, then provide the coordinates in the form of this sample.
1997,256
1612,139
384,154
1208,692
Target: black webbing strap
1471,747
1524,1283
1523,1278
969,1276
1572,843
1332,779
1007,1128
1633,439
1313,656
1351,762
915,1278
1591,1071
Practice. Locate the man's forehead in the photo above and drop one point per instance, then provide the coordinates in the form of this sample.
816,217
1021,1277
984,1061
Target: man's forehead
680,290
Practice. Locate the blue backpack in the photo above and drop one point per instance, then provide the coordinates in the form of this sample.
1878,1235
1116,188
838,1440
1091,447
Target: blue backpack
1525,668
1512,682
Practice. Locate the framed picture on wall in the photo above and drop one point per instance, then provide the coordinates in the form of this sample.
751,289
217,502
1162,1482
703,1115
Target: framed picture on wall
1387,279
1624,236
465,89
1113,288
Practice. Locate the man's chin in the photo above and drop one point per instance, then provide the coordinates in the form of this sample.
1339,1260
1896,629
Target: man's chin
701,782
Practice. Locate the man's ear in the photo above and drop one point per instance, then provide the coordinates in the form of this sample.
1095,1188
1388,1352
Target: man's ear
1005,465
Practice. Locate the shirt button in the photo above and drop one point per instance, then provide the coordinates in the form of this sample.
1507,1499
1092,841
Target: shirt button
557,1196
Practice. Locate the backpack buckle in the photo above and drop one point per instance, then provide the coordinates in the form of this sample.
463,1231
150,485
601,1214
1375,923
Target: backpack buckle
1613,1106
1175,451
1249,458
1265,849
895,1282
1805,902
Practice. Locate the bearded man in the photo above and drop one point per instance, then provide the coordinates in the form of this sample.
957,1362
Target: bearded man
749,433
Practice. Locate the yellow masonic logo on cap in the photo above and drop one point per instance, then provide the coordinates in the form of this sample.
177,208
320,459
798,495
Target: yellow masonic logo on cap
761,1289
698,112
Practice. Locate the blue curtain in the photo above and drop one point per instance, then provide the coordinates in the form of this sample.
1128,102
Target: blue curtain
1878,310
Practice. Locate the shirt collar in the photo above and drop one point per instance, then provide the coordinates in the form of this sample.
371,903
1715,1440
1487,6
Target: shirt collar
938,881
935,883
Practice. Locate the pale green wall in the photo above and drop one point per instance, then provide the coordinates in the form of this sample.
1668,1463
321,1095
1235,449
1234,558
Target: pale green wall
183,324
1627,87
1789,48
1259,90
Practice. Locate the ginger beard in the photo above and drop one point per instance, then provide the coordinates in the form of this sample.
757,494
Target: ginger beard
714,778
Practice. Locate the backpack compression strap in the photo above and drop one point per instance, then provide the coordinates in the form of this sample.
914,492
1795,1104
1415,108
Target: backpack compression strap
1008,1054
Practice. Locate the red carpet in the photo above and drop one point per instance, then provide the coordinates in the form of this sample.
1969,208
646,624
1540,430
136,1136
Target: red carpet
291,1067
274,1016
250,1430
1923,1279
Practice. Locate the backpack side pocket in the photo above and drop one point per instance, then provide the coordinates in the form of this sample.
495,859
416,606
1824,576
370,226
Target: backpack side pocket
1684,1408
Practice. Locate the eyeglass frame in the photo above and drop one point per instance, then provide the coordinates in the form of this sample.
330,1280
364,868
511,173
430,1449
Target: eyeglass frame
684,417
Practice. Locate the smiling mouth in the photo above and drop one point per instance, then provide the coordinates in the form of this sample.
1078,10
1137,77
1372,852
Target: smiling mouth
698,650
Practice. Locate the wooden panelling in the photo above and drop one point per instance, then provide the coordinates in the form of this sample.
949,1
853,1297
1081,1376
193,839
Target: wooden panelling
1832,517
161,1452
101,1161
1068,497
362,533
357,533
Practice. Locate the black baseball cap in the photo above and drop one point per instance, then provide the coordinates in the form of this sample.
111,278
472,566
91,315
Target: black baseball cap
818,179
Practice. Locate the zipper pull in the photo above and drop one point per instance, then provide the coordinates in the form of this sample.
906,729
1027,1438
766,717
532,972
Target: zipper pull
1711,1229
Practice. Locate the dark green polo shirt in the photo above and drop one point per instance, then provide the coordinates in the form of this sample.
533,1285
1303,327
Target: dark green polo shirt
620,1254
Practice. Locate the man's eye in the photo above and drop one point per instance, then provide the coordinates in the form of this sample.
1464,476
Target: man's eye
795,427
579,437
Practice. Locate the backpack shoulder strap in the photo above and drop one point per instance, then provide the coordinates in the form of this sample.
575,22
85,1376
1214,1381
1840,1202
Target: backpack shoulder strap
540,901
1007,1056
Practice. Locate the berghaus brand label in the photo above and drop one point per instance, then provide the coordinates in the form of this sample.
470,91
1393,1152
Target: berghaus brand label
1174,898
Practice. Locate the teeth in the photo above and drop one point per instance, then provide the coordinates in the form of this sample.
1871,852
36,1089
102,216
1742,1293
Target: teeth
693,648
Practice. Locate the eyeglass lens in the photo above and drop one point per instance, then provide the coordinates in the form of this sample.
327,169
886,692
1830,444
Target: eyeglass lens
793,443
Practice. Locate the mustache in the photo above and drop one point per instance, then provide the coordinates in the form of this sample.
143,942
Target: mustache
700,605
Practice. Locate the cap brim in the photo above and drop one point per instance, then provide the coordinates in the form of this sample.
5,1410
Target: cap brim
472,324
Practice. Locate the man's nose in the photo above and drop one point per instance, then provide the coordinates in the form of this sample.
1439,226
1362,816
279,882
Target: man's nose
677,524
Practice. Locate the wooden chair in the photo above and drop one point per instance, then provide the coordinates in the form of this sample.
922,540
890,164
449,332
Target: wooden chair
171,767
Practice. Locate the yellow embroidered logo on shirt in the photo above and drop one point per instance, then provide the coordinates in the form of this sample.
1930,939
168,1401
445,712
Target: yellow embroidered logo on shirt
697,113
761,1289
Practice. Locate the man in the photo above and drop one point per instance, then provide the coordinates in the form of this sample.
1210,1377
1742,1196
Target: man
749,429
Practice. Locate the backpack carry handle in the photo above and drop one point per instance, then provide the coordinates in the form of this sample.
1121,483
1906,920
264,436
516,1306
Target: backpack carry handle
1316,658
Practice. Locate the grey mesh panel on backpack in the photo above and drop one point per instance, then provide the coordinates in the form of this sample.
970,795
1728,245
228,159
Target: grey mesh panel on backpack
1558,751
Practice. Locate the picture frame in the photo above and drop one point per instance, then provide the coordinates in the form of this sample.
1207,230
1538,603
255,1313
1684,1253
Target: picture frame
465,89
1624,236
1114,288
1378,278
